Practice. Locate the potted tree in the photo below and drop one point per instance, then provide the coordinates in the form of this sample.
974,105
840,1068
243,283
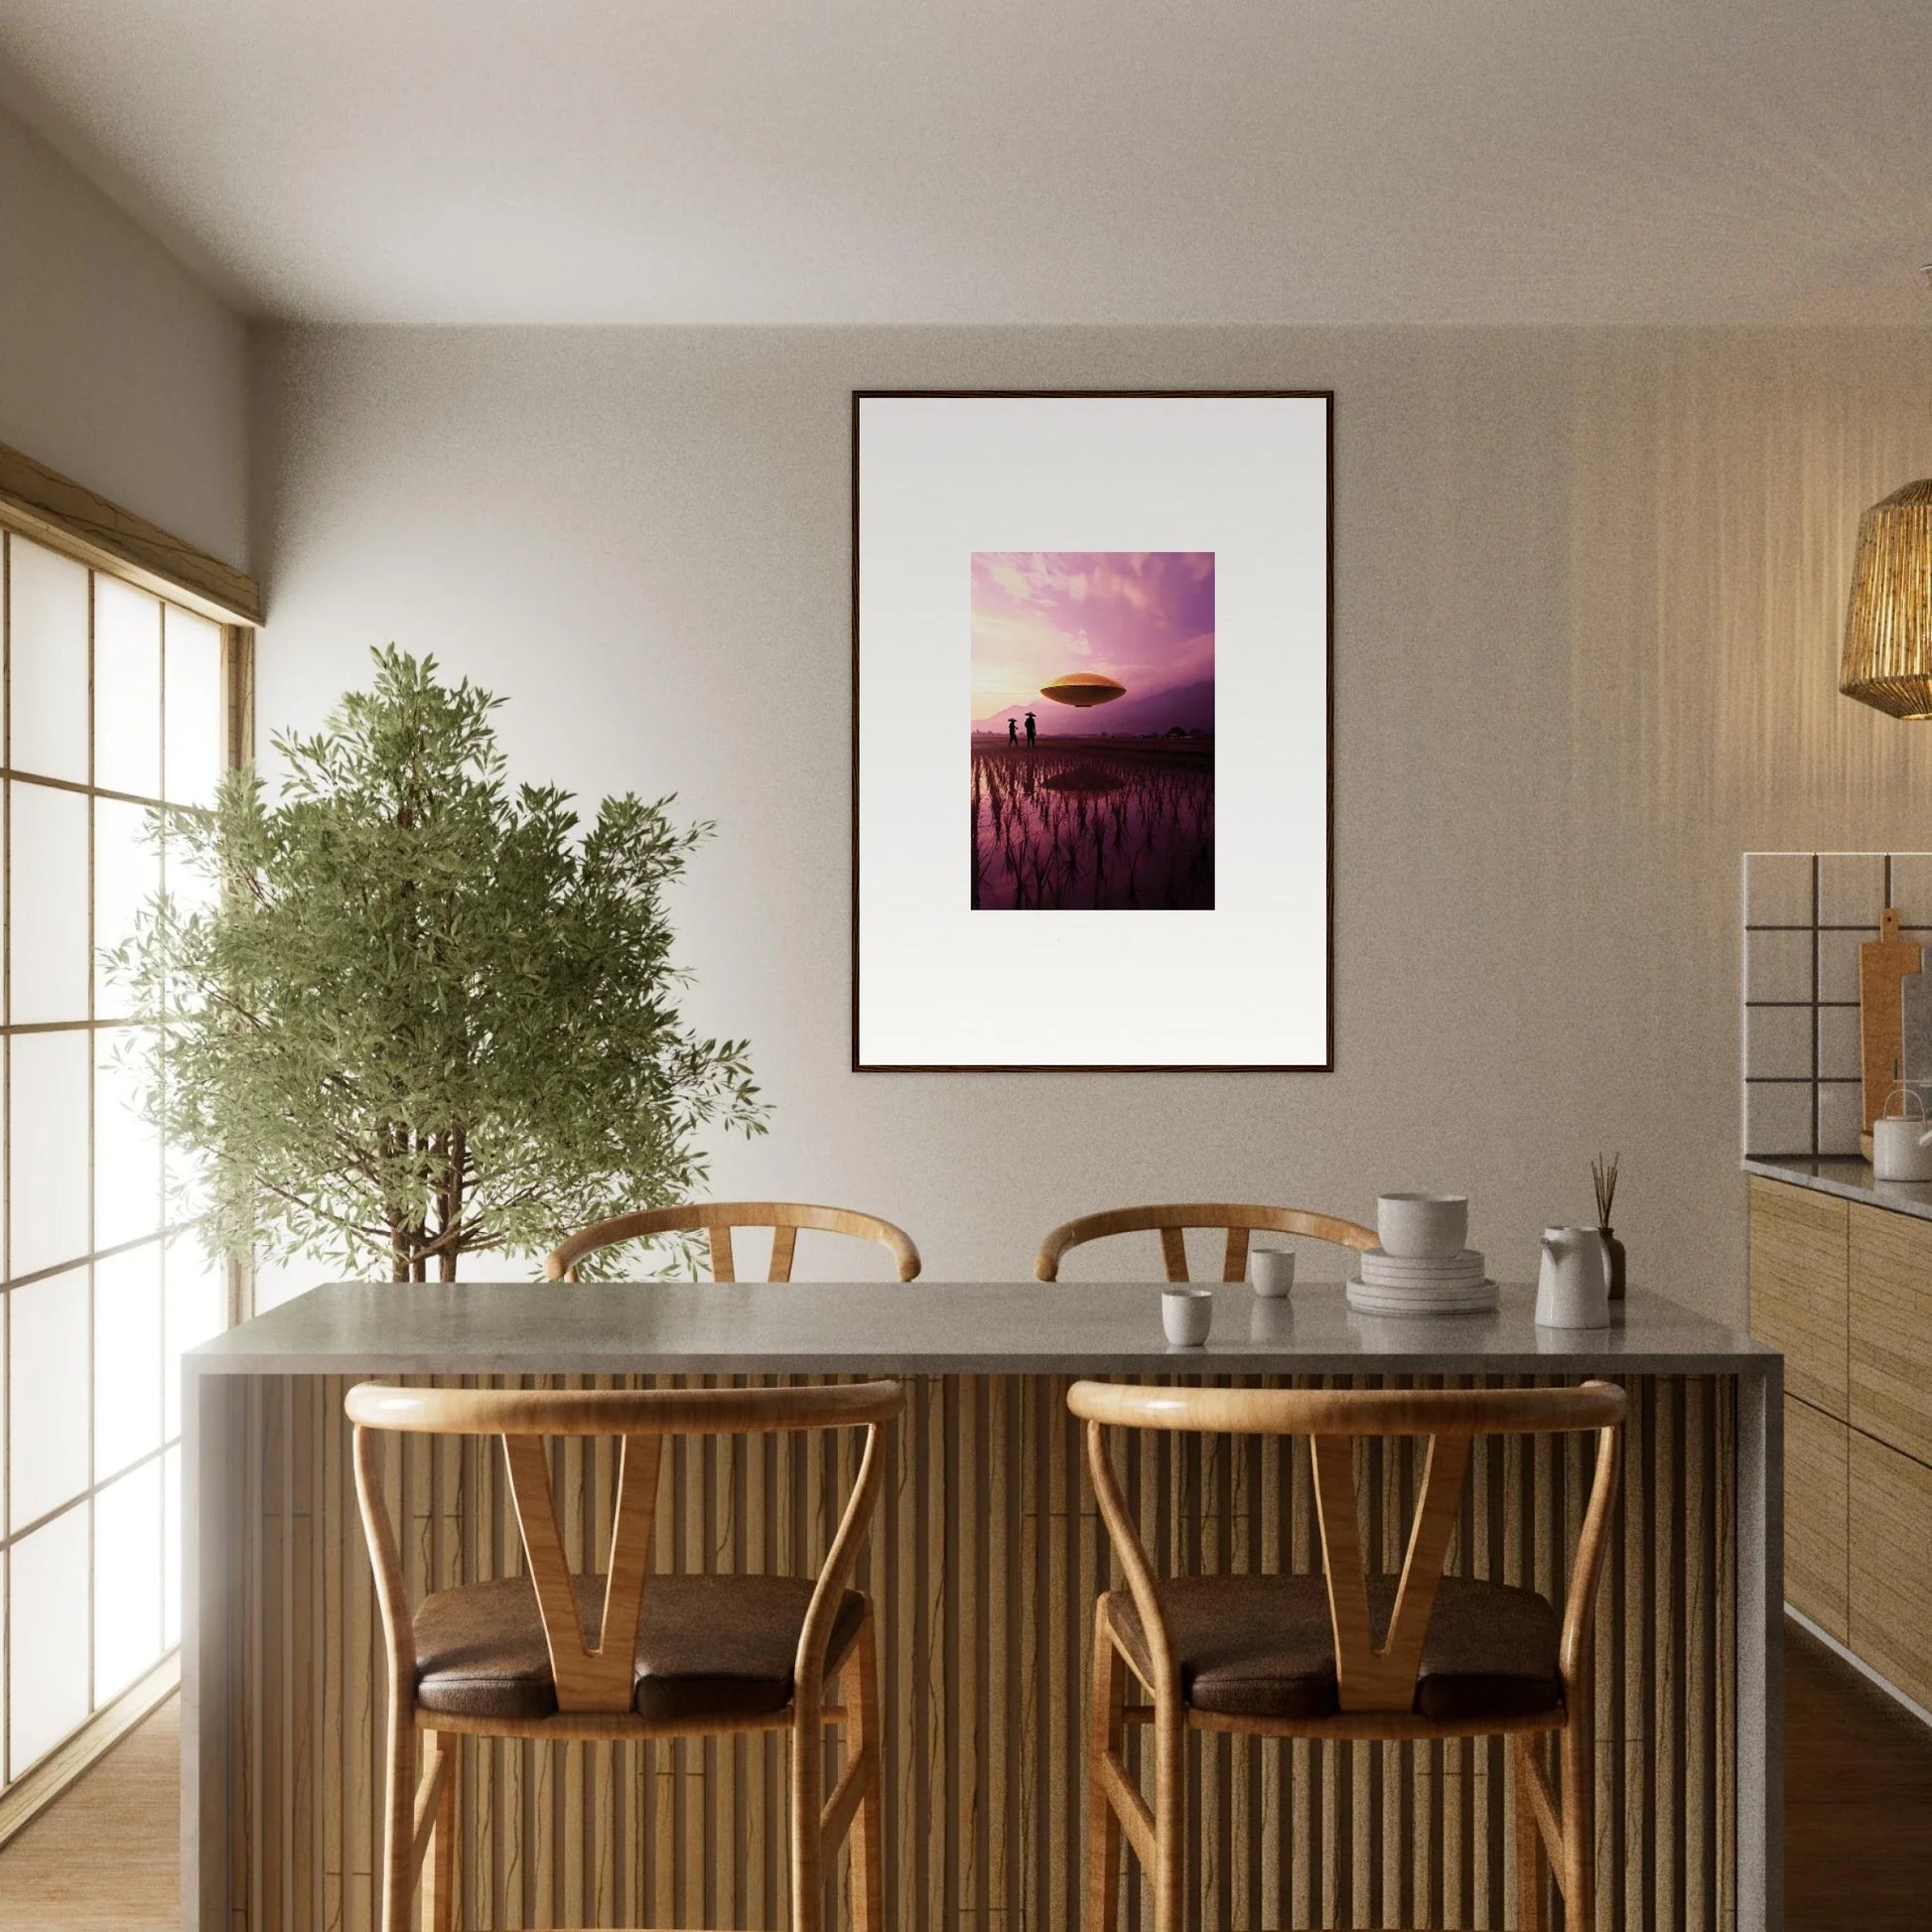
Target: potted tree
417,1014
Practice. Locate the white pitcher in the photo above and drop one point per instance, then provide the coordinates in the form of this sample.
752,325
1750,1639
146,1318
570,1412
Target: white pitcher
1573,1289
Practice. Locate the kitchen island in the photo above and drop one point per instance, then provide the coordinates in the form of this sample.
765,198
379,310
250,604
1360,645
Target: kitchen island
985,1557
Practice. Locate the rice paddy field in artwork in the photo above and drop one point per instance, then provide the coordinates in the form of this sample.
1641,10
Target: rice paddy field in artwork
1093,731
1100,825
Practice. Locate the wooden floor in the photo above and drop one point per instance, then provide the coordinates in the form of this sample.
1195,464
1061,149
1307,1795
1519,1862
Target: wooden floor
108,1852
1858,1801
1858,1854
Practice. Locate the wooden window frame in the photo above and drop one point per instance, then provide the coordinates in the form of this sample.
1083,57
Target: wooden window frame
48,508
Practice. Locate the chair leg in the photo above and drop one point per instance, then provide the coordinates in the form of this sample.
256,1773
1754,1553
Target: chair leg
399,1822
861,1698
1169,1812
1530,1866
439,1898
1577,1774
807,1802
1106,1733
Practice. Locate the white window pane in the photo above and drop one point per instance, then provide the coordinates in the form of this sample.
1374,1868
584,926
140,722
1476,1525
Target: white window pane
127,1358
127,1150
127,688
190,885
48,1150
183,1184
196,715
171,1549
197,1310
48,661
127,1581
47,1662
47,928
127,874
46,1440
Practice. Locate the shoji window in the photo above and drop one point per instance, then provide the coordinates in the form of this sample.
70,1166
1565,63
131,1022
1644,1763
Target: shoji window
115,700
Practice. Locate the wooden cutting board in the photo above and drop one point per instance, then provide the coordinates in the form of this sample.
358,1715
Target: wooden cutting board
1883,963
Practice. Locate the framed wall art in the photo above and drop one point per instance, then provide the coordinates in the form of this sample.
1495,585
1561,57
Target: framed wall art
1091,731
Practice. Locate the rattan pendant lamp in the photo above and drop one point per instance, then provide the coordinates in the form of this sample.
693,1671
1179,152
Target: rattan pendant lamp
1888,659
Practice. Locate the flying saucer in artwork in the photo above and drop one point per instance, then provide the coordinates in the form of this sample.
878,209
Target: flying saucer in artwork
1083,689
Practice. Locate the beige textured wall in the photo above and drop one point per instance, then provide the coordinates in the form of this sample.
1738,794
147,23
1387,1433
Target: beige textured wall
117,366
1589,585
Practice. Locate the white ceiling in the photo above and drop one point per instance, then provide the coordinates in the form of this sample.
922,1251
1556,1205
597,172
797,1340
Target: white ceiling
1008,161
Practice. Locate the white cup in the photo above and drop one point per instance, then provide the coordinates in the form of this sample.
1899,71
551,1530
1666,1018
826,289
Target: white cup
1271,1270
1422,1226
1186,1313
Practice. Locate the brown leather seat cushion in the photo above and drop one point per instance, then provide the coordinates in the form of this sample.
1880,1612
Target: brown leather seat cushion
718,1647
1264,1647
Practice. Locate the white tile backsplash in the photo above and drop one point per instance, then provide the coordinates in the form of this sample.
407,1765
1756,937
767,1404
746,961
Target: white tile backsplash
1912,888
1777,965
1841,1116
1838,963
1806,915
1850,888
1777,1042
1777,887
1778,1117
1838,1043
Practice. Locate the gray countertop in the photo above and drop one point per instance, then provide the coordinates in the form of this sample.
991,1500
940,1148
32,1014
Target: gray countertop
1850,1179
931,1328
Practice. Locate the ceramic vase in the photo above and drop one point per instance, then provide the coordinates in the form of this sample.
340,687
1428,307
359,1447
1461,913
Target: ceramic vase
1614,1257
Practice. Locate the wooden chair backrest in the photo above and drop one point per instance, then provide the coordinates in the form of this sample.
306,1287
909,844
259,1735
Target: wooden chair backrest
1372,1675
593,1669
1172,1218
717,1218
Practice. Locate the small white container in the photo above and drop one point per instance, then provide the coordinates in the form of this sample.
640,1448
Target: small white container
1901,1143
1186,1313
1422,1226
1271,1270
1572,1290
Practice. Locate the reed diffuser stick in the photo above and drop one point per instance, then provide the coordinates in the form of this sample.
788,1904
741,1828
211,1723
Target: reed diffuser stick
1602,1177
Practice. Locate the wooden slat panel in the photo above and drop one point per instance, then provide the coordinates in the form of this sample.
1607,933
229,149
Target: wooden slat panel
1800,1287
1892,1330
1891,1566
985,1559
1817,1475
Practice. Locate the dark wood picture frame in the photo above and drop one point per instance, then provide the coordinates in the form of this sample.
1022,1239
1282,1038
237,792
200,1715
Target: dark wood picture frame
1327,398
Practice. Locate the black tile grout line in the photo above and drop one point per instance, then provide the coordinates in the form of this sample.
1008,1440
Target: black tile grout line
1817,907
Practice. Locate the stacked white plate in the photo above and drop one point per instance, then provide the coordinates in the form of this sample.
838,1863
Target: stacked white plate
1421,1284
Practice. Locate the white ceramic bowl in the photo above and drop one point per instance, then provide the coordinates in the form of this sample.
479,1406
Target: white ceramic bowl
1186,1313
1271,1270
1417,1225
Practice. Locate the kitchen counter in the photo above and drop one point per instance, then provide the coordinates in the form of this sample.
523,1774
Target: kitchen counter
983,1558
1849,1178
932,1328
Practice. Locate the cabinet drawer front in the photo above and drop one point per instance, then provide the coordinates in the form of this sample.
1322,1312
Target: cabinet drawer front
1891,1566
1817,1475
1799,1287
1892,1330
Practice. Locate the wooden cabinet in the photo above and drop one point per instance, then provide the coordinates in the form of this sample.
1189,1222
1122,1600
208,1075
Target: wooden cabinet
1845,1289
1816,1478
1891,1330
1800,1289
1891,1566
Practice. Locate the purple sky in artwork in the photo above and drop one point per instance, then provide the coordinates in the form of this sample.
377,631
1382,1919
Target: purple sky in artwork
1144,617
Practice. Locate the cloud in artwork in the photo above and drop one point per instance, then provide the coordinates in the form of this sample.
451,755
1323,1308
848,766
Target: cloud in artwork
1144,618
